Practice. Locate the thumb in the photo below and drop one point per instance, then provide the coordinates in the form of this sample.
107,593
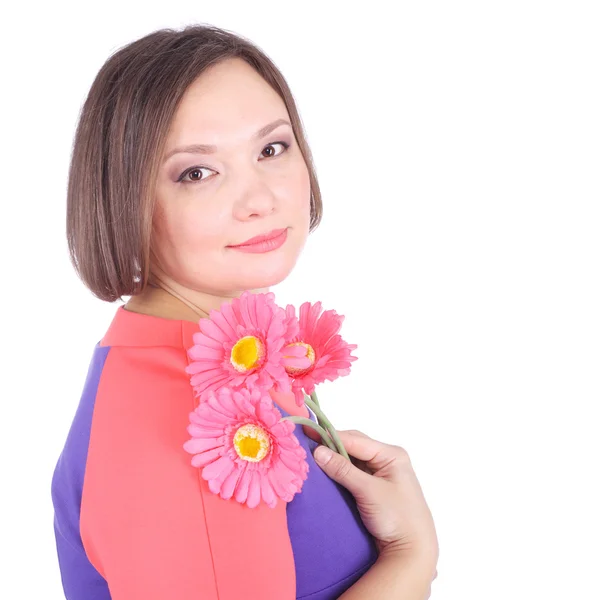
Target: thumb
341,470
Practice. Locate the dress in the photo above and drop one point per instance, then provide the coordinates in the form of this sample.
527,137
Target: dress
134,519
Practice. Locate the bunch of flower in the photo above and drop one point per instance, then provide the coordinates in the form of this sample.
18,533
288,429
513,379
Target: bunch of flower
245,448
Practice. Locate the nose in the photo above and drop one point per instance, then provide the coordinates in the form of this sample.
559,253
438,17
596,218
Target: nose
256,198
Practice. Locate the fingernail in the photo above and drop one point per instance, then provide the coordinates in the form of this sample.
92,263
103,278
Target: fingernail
322,455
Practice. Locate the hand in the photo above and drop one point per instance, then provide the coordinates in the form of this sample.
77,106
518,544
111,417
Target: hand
388,495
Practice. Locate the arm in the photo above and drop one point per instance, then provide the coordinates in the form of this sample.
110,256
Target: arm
80,579
149,522
405,578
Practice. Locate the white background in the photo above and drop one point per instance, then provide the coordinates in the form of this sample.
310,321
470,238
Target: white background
457,146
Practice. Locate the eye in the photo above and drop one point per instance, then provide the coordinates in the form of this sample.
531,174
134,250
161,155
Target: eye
284,144
191,171
197,169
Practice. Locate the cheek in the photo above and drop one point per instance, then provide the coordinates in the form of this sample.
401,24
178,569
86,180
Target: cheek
182,233
298,191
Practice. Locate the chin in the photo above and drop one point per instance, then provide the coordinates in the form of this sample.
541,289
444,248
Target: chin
262,280
265,276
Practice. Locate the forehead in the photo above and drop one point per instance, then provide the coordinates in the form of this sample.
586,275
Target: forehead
229,100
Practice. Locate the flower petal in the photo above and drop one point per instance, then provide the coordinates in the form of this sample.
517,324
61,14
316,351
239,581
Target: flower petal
200,460
219,469
297,363
205,353
197,445
230,482
210,328
225,321
267,491
294,351
203,431
241,491
253,489
200,339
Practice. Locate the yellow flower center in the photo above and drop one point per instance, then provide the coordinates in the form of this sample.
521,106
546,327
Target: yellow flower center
310,354
251,442
247,353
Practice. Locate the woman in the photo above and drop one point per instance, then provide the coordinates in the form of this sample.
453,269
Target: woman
191,183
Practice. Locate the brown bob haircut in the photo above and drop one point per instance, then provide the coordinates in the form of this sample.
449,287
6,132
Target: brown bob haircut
119,143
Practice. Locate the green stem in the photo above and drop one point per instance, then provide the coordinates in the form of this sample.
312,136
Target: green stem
310,423
321,416
314,398
328,430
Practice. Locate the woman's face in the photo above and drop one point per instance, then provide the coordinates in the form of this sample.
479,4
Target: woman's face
248,185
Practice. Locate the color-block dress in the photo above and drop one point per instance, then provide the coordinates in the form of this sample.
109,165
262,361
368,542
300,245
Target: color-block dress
135,520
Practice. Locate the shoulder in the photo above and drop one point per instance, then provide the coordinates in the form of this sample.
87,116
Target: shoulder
142,406
145,506
131,371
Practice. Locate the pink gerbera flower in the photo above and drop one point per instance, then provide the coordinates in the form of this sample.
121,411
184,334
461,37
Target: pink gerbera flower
240,345
318,341
246,450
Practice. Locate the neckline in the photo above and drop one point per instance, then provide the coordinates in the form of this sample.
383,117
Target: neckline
129,328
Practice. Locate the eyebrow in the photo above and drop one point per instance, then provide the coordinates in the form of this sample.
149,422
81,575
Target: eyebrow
209,149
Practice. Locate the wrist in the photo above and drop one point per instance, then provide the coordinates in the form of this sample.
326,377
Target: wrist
421,558
394,575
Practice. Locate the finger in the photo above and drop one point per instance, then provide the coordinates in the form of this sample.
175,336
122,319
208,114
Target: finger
356,432
361,464
343,471
374,453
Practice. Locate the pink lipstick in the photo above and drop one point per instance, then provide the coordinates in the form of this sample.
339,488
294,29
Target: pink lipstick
263,243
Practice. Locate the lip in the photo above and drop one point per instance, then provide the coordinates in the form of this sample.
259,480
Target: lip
266,243
261,238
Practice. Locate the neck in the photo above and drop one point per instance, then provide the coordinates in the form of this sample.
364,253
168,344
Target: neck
158,302
165,298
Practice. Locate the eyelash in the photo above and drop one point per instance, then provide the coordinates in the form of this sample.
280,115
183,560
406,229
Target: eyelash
187,171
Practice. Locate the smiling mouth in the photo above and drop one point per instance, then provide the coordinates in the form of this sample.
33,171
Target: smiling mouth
266,244
272,235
